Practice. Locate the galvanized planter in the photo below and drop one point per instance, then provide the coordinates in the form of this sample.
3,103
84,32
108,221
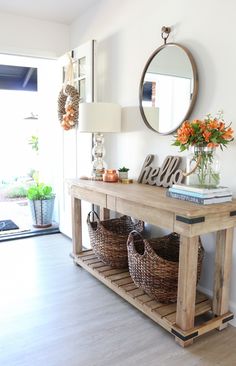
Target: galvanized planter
42,211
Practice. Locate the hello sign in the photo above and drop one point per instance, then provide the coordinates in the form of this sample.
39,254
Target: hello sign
163,176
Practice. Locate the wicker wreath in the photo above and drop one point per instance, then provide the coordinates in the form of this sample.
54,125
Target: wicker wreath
68,107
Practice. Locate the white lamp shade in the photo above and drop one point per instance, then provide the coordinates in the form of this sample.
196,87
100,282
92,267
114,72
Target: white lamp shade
99,117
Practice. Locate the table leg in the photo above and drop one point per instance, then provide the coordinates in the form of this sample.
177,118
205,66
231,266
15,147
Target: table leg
223,262
76,225
187,281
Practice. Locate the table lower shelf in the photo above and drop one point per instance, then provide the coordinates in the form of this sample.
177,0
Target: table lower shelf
119,281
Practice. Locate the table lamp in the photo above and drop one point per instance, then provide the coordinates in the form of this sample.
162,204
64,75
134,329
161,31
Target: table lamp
98,118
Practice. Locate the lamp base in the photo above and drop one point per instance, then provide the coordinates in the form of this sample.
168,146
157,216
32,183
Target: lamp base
98,152
97,174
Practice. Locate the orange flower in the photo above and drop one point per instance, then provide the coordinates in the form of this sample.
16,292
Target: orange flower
221,126
206,134
186,128
212,145
183,138
213,124
228,135
210,132
202,126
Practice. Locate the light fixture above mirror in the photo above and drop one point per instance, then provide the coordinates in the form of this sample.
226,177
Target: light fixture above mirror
168,87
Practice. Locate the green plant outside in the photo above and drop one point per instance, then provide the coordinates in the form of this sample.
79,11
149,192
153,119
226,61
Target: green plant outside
34,142
17,192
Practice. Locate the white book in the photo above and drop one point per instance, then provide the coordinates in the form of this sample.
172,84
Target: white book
199,189
208,201
209,194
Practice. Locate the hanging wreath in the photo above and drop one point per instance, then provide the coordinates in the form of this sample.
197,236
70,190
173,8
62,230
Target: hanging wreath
68,107
68,99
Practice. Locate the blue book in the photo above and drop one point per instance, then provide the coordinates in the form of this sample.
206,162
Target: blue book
201,195
199,200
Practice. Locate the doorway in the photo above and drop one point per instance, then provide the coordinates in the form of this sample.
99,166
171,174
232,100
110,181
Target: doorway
28,89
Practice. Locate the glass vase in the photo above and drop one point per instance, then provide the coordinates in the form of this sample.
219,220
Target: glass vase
204,168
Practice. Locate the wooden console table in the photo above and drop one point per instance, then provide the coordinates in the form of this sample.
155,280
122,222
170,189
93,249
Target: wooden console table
151,205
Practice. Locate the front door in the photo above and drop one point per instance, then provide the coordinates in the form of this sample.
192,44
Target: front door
75,146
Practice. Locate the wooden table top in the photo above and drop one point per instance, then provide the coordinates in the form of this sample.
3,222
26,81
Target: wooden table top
153,196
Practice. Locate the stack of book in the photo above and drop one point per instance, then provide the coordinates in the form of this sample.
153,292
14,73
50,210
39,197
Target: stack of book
202,196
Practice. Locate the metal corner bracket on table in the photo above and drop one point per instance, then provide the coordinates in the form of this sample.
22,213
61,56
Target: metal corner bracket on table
191,221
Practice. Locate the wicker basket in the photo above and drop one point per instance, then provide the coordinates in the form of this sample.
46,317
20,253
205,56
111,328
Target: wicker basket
154,265
109,238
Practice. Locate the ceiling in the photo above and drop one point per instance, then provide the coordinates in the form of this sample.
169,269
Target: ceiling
61,11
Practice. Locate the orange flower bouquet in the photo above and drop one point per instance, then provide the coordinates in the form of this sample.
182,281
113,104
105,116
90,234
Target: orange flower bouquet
204,136
210,132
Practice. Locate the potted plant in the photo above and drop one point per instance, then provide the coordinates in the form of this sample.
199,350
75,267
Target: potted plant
123,173
41,200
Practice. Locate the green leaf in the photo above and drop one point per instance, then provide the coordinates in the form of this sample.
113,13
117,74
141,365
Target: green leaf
176,143
183,147
123,169
39,191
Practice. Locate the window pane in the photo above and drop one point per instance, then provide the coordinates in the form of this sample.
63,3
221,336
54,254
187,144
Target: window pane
82,67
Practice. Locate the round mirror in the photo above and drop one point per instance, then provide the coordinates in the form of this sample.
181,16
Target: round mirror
168,88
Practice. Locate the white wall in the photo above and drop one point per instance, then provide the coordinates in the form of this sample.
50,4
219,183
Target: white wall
32,37
127,32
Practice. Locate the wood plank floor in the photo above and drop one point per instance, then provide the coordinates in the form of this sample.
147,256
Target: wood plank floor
53,313
120,281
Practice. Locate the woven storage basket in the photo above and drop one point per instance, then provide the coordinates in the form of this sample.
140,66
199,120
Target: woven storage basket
109,238
154,265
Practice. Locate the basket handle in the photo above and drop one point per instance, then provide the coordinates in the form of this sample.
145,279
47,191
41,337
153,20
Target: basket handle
131,235
131,242
94,213
147,249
